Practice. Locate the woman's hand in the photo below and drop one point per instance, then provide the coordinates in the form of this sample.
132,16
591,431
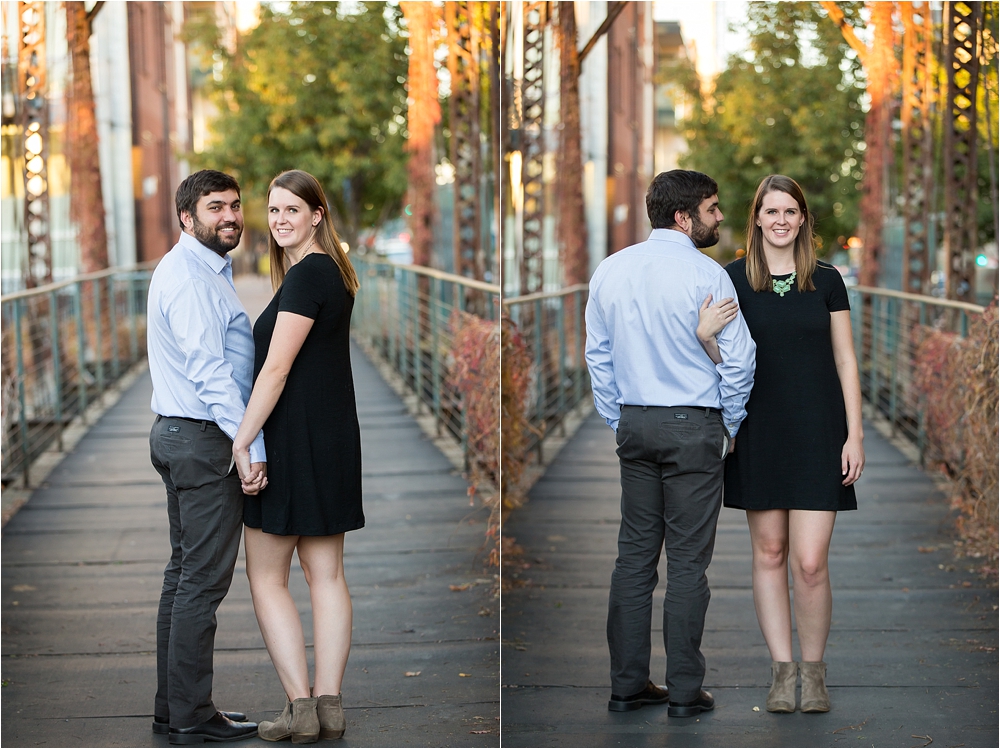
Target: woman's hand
712,318
253,476
852,460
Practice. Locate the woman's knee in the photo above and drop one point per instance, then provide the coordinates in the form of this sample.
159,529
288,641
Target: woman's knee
811,571
770,554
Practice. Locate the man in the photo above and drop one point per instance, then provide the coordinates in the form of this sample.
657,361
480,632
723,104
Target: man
675,415
201,357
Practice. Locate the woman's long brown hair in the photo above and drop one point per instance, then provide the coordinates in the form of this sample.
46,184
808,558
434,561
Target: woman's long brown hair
758,273
307,187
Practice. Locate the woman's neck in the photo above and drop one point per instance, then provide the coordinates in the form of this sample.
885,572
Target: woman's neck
779,260
300,252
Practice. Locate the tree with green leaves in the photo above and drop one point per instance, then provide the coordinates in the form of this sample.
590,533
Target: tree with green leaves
791,104
314,86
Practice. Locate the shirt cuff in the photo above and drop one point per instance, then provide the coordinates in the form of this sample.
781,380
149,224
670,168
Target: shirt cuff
257,454
613,423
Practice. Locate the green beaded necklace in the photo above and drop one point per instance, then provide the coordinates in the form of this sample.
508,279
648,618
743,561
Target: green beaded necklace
782,287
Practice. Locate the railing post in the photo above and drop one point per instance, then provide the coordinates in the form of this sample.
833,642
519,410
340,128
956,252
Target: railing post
561,325
98,341
22,416
56,364
873,374
539,359
892,328
133,325
418,353
113,324
578,357
435,350
81,352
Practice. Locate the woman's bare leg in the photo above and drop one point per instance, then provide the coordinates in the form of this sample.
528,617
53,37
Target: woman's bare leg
809,534
769,538
322,559
269,558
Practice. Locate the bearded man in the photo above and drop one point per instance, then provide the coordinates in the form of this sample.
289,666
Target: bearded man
675,416
201,355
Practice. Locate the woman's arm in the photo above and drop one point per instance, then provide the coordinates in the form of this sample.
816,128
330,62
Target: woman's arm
853,455
711,319
290,331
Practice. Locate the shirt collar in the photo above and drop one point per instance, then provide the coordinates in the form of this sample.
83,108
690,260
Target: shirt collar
207,256
672,235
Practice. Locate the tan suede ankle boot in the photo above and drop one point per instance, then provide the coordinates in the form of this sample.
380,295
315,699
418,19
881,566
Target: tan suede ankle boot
332,722
298,720
781,698
815,698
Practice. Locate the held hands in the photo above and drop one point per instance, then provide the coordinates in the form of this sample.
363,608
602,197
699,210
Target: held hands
253,476
852,460
714,317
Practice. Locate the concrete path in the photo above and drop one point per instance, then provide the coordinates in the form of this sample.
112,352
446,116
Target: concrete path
912,655
82,569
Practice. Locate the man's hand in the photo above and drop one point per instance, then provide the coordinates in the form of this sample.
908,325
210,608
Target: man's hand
732,444
256,480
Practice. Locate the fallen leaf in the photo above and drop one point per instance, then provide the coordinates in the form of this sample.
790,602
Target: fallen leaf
927,549
486,731
23,588
756,709
459,588
412,673
461,674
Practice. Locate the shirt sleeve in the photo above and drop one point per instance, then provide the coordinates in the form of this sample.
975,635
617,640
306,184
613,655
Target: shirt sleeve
602,371
739,361
193,313
836,293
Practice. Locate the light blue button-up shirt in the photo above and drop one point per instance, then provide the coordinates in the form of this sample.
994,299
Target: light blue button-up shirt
642,349
199,340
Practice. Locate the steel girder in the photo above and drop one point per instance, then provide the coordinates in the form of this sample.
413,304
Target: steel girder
962,24
463,108
918,145
35,137
532,110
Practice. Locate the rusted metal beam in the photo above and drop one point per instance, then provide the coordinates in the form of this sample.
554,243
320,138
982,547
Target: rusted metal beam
532,110
463,64
918,144
962,23
35,141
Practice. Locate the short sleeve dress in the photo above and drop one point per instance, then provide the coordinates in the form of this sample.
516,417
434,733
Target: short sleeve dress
788,449
312,436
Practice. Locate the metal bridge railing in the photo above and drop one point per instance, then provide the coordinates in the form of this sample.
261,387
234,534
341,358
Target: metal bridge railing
63,345
887,326
404,316
553,326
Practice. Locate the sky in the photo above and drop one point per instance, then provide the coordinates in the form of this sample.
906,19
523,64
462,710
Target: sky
706,24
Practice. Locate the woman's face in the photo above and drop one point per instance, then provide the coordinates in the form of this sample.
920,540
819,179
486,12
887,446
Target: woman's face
780,219
289,218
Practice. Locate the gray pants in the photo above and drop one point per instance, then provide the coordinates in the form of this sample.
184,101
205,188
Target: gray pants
671,473
205,508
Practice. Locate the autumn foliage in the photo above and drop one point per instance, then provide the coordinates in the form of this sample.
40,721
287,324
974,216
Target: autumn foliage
492,378
957,378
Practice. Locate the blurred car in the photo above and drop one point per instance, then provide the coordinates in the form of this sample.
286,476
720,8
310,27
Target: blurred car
392,242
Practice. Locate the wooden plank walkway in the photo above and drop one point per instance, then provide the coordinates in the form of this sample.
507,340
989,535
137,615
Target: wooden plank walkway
82,569
912,654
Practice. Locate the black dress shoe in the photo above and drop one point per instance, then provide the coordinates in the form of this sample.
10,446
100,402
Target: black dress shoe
703,704
651,695
162,725
216,728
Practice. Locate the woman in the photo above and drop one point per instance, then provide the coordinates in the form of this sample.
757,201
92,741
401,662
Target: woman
799,450
303,397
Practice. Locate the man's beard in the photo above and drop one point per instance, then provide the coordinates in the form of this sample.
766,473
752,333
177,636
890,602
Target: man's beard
701,235
212,240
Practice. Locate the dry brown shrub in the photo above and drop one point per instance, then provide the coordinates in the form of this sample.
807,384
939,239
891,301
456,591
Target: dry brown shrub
958,379
475,374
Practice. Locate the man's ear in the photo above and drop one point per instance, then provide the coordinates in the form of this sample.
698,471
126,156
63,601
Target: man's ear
682,219
186,219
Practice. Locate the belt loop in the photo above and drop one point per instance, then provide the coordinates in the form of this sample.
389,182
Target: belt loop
203,425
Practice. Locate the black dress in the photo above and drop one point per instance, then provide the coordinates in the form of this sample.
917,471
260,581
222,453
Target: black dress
788,449
312,436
